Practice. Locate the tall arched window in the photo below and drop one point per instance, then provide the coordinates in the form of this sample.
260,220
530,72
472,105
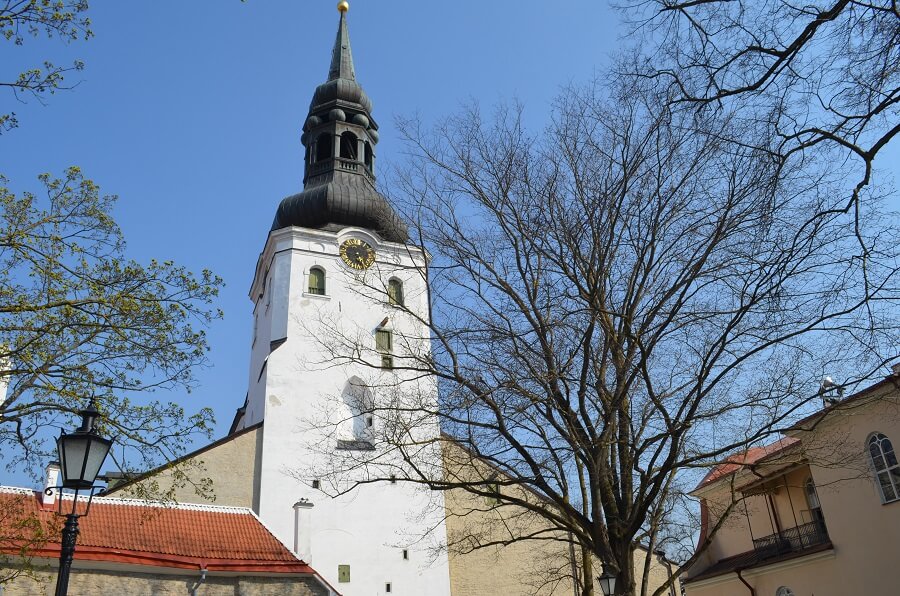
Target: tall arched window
324,148
369,156
812,501
317,281
886,468
359,401
395,292
348,145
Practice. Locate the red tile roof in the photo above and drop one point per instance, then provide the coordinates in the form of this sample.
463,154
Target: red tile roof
180,536
751,456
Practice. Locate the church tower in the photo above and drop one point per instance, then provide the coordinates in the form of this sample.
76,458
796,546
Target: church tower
335,285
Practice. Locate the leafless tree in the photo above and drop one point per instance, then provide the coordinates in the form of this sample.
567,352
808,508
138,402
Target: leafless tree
616,303
823,75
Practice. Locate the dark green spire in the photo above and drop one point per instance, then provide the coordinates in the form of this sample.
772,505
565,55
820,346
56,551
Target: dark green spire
341,56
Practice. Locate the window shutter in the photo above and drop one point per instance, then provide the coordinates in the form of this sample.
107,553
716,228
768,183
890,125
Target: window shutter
383,340
317,282
395,292
343,573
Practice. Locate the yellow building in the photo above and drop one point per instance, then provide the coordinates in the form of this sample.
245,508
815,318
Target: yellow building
816,513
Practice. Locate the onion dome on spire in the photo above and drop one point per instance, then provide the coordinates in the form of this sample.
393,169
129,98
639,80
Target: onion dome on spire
341,84
339,136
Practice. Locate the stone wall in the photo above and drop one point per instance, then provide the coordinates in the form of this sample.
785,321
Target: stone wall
232,467
97,582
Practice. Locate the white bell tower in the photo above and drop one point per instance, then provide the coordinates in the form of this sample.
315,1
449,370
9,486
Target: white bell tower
335,287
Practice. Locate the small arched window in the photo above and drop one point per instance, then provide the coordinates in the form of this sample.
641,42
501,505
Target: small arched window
369,156
395,292
885,466
317,281
324,147
348,145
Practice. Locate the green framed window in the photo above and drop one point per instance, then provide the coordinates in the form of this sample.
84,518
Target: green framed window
395,292
317,281
384,343
494,489
344,574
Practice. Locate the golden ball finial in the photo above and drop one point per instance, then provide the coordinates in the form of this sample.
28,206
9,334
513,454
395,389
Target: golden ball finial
343,6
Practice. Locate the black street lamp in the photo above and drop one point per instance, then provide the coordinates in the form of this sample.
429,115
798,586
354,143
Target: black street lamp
81,453
607,583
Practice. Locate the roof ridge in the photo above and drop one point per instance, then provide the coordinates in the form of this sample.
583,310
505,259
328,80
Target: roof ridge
18,490
169,505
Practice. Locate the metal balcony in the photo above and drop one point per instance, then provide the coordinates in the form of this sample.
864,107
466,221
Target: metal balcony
793,540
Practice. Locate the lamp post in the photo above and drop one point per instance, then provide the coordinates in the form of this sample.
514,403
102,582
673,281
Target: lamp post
81,453
607,583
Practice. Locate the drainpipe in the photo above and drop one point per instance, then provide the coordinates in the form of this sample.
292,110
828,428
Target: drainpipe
199,582
661,555
743,581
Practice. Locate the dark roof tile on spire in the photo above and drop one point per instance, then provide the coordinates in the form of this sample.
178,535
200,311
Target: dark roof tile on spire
341,55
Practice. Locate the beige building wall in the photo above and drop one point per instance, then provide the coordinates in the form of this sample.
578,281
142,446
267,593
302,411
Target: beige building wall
816,575
510,565
231,467
865,533
100,582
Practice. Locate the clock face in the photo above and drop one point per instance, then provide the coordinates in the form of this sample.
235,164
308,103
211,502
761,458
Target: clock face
357,254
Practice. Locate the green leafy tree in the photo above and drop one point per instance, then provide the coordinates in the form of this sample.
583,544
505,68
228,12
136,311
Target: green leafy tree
21,534
78,319
19,19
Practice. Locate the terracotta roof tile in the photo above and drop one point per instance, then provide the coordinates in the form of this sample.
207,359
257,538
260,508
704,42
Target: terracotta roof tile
750,456
127,530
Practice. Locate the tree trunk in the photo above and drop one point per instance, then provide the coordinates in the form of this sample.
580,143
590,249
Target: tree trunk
625,576
587,575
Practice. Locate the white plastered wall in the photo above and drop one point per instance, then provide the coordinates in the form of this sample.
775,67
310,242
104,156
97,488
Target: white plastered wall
296,387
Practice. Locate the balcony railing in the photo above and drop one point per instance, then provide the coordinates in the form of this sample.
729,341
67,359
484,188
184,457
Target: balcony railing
349,165
793,540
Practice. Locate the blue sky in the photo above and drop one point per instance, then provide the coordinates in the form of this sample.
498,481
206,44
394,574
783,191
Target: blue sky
191,113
